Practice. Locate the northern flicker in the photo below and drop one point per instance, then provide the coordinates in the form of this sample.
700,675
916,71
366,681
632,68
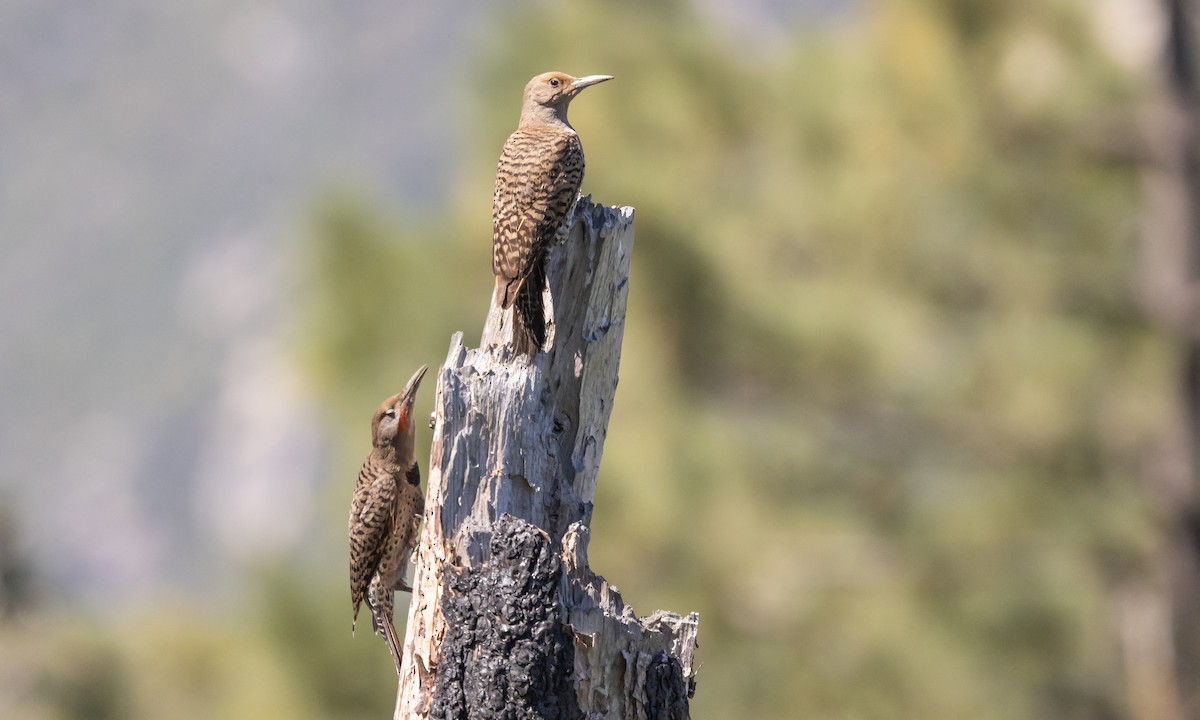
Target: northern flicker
385,512
540,171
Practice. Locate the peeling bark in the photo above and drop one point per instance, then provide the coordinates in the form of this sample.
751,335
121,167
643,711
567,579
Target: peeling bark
507,620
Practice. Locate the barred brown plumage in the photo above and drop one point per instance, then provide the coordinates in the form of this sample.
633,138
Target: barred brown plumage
385,513
537,179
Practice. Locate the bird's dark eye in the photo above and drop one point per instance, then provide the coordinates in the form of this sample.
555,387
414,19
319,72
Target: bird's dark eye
389,413
554,82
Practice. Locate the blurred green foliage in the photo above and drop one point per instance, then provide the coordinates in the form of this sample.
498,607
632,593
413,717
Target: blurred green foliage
291,656
885,393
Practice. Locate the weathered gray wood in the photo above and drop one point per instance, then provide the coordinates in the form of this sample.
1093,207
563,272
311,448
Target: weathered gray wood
506,616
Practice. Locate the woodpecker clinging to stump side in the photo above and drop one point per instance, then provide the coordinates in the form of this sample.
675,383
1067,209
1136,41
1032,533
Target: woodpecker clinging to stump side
385,512
540,171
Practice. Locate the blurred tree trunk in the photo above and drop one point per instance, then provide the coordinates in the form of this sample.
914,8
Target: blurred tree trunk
506,619
1159,618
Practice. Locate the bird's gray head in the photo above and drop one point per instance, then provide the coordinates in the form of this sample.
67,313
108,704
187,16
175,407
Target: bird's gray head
548,94
393,426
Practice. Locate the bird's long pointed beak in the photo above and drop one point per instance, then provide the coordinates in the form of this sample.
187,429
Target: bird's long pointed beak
410,390
586,80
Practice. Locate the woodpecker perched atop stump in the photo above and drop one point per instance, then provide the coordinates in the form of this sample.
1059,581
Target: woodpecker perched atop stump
538,178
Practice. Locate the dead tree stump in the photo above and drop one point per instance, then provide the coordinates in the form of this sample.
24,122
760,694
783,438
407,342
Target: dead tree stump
507,620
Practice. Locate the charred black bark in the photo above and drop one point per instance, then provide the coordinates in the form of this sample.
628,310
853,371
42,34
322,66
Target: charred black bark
667,692
507,653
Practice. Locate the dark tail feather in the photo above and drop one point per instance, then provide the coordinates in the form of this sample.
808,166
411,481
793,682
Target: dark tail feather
529,318
380,599
393,642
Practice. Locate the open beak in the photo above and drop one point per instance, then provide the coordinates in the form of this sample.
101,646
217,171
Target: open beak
580,83
410,390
